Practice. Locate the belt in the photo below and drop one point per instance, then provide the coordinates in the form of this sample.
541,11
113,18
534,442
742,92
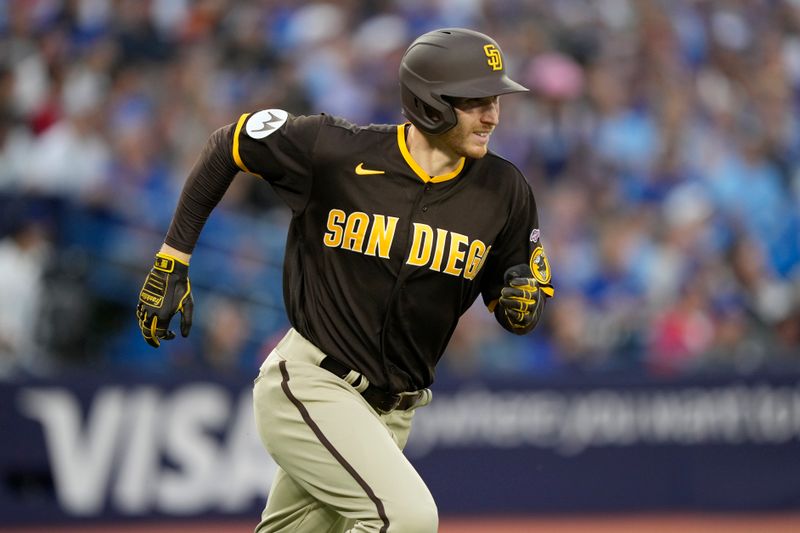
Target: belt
380,400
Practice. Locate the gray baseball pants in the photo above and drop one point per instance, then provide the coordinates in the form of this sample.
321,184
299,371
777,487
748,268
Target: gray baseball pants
340,463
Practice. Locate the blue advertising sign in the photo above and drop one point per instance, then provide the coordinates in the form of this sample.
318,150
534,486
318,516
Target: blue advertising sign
124,448
605,446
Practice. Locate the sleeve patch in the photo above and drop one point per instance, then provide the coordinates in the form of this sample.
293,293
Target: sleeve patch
265,122
540,266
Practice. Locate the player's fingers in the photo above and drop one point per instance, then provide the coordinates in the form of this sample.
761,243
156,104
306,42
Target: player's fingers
150,341
525,319
528,283
510,292
144,326
159,330
146,334
529,295
518,318
151,336
519,293
513,304
187,310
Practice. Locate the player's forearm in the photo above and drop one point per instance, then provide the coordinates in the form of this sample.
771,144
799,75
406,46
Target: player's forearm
208,180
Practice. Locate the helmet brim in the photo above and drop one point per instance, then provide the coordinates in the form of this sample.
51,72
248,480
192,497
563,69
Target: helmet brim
483,87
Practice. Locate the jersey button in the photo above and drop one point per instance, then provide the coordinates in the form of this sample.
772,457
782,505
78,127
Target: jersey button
427,186
424,208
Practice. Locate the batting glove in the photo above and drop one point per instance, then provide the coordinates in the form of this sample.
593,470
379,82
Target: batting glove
166,291
521,300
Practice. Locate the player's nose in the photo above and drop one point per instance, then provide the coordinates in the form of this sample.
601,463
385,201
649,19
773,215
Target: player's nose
491,113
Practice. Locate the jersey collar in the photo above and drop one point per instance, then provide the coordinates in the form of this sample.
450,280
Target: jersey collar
401,142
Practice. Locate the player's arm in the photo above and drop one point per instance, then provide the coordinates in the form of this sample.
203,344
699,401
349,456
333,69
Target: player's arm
270,144
167,290
526,286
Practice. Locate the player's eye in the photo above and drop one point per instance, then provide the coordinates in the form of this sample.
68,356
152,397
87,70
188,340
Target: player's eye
466,104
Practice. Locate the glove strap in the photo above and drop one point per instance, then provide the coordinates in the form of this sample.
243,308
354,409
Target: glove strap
166,263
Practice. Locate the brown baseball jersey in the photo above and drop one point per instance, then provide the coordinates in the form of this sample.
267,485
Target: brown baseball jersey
382,259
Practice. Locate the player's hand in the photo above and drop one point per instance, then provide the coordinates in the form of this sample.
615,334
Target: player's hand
520,297
166,291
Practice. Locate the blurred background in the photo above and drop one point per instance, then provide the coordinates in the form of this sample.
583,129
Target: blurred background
662,141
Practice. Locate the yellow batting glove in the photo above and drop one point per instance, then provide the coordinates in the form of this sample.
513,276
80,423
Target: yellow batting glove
521,300
166,291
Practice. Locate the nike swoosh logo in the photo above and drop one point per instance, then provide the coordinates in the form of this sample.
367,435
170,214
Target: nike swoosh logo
361,171
267,124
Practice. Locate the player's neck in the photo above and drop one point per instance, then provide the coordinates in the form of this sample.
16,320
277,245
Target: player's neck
434,158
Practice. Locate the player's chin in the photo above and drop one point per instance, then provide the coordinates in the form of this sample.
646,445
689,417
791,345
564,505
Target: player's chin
475,151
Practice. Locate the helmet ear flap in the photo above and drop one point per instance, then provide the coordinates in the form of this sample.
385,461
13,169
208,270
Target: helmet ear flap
431,116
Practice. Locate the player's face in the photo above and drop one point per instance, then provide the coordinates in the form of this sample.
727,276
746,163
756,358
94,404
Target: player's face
477,118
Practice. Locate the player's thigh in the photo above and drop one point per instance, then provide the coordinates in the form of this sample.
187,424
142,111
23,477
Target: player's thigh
337,448
290,508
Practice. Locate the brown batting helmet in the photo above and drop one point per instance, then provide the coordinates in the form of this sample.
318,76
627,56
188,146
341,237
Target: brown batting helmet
453,62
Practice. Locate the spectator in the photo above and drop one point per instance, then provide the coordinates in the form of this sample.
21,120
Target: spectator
665,133
23,258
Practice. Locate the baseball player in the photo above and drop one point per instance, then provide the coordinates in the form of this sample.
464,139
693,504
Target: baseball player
395,231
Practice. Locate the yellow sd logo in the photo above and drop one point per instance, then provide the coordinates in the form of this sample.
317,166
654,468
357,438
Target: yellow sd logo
495,60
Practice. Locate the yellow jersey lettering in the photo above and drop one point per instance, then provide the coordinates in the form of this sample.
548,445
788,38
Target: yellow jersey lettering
475,258
355,231
333,237
441,239
456,255
420,252
437,249
381,235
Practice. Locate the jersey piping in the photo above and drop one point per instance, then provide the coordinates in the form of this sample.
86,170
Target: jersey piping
401,142
236,156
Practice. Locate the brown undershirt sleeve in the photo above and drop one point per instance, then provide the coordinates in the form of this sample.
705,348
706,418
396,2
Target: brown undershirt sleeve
208,180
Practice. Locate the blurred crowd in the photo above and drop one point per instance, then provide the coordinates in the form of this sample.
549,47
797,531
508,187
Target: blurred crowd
661,138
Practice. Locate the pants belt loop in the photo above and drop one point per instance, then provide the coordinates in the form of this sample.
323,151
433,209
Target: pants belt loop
357,380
